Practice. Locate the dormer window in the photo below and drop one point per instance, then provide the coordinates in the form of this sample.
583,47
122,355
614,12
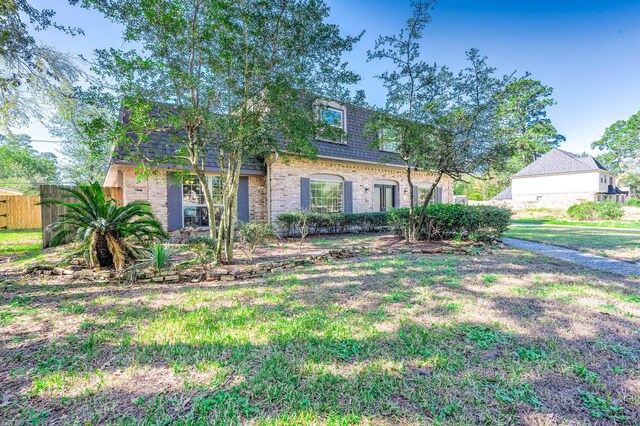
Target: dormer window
335,115
389,140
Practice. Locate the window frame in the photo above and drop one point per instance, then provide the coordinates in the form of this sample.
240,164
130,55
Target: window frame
322,105
382,147
210,185
326,179
426,187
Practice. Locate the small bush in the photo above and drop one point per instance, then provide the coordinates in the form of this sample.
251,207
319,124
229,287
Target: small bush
591,210
254,234
454,221
160,256
204,248
633,202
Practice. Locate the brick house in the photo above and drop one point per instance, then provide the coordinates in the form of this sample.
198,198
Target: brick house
348,176
559,179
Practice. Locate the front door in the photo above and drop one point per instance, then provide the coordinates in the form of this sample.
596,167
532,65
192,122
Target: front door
383,198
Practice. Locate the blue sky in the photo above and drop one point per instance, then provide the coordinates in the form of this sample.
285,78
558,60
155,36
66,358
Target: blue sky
588,51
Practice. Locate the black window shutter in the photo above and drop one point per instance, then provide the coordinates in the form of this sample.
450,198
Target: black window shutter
439,195
305,193
396,196
415,196
174,202
348,197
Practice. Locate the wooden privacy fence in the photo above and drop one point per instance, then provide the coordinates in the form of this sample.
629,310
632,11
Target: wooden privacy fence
51,212
20,212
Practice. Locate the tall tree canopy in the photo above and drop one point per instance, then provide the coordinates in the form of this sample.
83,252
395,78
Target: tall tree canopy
522,114
439,121
233,77
22,167
30,73
620,144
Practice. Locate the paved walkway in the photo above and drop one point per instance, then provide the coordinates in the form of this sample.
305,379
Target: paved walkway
588,260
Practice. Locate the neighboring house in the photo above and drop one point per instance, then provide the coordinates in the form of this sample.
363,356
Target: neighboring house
348,176
560,179
9,191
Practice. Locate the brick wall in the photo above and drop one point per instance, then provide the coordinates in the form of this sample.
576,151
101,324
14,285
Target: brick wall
258,198
287,171
152,189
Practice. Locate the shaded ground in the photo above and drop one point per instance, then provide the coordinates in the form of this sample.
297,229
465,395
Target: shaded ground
406,339
614,243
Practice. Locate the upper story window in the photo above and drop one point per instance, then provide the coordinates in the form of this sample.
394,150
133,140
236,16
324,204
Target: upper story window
335,115
389,139
326,194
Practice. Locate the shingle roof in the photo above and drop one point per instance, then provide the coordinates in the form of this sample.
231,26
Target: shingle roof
504,195
559,161
358,146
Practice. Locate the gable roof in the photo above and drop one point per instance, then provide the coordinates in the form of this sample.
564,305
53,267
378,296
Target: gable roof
559,161
505,194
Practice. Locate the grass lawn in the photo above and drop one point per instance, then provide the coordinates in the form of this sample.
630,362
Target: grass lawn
617,244
406,339
597,223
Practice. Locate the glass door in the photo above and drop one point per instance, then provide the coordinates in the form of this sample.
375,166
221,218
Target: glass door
383,198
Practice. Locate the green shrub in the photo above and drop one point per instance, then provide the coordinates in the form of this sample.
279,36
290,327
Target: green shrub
633,202
254,234
331,223
204,247
454,221
591,210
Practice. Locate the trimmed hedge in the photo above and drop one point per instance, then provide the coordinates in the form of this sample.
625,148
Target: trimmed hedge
447,220
633,202
455,221
331,223
592,210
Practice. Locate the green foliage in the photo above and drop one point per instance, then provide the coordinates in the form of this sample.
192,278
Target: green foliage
591,210
621,145
633,202
225,78
601,408
22,167
455,220
109,235
522,114
87,123
204,248
251,235
331,223
31,74
160,256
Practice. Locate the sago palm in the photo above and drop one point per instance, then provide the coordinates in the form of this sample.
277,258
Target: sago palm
110,235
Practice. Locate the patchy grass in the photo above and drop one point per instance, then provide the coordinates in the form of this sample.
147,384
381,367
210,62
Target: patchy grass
20,242
616,244
511,338
596,224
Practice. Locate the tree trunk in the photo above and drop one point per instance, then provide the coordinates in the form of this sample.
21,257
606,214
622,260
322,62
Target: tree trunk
104,256
421,218
226,230
411,236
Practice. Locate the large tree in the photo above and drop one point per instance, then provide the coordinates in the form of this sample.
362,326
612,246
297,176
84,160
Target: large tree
86,122
24,168
30,72
233,77
522,116
439,121
620,144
